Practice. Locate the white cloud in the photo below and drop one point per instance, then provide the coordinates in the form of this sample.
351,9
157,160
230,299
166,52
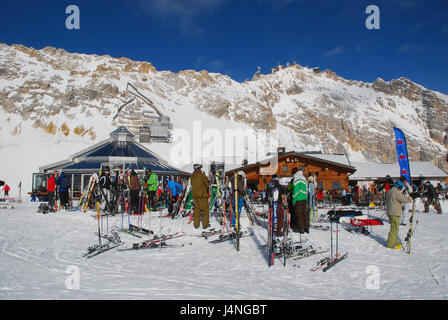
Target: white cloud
209,64
333,52
184,14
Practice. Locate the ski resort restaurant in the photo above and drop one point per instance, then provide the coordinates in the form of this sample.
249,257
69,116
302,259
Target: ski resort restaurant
332,170
335,171
118,152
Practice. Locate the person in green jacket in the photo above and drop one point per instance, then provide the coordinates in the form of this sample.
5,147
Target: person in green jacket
394,205
151,183
300,220
199,193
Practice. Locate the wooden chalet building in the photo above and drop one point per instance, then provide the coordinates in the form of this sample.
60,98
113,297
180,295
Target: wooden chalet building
332,170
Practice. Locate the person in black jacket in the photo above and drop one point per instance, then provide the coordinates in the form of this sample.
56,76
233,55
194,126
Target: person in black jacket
64,182
432,198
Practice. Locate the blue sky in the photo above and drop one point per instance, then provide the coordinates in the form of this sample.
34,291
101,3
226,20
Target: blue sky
235,36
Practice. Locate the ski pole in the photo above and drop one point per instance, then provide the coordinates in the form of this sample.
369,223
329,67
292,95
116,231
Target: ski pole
98,218
331,234
337,238
224,217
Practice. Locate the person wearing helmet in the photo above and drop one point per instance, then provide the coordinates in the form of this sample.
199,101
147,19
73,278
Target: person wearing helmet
199,193
394,207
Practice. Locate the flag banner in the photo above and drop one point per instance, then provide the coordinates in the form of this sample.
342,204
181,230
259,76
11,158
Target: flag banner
402,154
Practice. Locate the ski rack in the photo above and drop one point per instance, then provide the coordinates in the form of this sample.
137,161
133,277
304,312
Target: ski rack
326,263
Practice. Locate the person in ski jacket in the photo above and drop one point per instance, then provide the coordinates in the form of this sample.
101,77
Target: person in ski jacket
150,184
174,190
394,207
300,220
320,196
311,190
344,196
6,190
64,183
199,193
51,187
134,189
432,198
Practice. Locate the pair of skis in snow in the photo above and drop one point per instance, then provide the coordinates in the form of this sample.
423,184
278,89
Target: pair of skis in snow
412,224
114,241
335,257
230,236
156,242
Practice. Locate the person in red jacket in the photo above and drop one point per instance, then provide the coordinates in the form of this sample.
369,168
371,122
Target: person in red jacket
51,185
6,189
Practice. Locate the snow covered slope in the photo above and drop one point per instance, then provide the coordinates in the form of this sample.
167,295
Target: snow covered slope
41,258
54,103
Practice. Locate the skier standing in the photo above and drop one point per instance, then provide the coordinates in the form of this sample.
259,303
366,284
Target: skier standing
199,193
6,190
394,206
134,189
51,186
151,185
311,194
301,221
64,183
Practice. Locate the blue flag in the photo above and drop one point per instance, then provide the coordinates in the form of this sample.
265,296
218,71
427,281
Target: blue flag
402,154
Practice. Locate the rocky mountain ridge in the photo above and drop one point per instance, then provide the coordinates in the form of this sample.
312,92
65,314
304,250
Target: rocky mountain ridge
68,93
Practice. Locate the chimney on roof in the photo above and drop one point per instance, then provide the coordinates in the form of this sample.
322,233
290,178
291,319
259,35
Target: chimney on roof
281,151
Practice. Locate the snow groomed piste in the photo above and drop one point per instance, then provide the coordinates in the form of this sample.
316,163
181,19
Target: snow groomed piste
252,231
37,251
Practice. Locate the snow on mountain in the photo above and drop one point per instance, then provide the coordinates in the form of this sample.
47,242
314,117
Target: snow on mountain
54,103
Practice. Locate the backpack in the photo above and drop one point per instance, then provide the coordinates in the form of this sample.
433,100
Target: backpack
43,208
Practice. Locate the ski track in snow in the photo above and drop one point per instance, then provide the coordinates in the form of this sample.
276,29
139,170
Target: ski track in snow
36,251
